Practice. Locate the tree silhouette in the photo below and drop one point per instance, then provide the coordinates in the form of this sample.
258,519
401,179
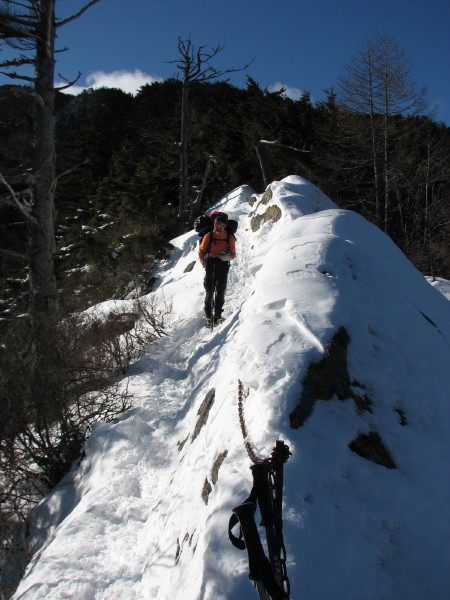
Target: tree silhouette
29,28
195,65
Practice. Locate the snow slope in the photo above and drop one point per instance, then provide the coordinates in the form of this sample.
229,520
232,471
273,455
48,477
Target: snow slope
136,521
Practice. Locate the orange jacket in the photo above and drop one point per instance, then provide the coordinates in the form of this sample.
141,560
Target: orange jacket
219,244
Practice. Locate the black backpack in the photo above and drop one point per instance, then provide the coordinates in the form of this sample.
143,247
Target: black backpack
204,224
231,227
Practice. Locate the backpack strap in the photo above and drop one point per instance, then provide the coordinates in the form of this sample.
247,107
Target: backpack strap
213,239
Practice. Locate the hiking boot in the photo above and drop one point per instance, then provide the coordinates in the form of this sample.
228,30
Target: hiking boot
218,320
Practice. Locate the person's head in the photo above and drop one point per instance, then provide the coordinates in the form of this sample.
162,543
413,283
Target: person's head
220,222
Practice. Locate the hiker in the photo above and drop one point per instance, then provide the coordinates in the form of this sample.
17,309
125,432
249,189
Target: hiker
217,249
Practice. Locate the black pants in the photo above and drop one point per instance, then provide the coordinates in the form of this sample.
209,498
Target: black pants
215,283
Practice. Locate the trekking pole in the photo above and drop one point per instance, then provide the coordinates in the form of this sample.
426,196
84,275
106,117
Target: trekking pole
269,518
268,574
270,505
213,293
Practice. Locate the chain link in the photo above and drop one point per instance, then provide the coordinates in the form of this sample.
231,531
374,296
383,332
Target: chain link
248,446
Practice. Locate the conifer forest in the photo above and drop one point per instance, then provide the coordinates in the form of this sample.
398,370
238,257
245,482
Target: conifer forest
118,160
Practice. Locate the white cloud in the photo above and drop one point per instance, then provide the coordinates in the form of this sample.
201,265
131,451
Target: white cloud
291,92
127,81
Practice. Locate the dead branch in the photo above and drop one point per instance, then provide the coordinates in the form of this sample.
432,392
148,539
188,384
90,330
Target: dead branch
72,169
25,210
13,254
76,15
195,64
69,83
277,143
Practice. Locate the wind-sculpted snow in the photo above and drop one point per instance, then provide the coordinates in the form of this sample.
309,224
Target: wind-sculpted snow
145,514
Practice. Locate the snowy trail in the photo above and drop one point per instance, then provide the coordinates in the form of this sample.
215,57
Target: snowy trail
138,452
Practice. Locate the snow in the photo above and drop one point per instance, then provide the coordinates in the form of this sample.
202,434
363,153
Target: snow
441,284
130,521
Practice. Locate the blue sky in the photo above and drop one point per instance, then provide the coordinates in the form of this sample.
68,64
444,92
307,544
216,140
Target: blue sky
300,44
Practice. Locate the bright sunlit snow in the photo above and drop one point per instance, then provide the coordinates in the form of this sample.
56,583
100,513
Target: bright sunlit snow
133,520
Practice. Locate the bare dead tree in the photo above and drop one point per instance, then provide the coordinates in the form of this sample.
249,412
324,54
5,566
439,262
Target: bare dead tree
358,90
195,65
377,82
28,28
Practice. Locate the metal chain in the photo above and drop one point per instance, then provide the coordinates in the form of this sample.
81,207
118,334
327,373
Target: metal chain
250,450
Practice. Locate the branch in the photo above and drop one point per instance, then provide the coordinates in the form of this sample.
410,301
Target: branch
17,76
212,73
22,207
195,64
277,143
18,62
8,30
77,15
71,170
13,254
69,83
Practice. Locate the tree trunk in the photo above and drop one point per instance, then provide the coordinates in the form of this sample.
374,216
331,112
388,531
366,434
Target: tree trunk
387,199
263,163
373,135
43,282
184,176
199,198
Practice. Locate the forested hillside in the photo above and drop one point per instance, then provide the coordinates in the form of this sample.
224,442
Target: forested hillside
118,157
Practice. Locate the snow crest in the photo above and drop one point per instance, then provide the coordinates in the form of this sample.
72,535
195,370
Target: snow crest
145,514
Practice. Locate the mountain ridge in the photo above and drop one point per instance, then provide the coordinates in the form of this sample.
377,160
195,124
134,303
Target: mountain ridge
132,520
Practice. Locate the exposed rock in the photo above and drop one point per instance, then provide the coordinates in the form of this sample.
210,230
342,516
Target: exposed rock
182,443
207,489
266,197
216,466
371,447
273,213
203,412
190,266
401,413
328,378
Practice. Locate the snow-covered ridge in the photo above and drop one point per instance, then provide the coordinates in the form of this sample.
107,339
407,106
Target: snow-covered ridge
146,513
